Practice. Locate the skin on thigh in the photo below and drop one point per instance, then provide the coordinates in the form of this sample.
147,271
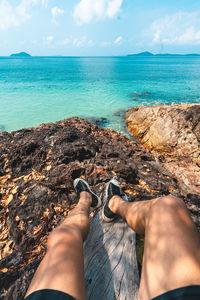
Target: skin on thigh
172,249
62,268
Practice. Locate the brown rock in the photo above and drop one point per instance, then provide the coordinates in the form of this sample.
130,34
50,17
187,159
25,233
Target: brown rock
37,169
172,132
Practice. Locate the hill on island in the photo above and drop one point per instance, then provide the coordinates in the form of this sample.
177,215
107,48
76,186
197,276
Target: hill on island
146,53
20,54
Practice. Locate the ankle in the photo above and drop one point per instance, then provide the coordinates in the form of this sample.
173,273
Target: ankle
114,203
85,197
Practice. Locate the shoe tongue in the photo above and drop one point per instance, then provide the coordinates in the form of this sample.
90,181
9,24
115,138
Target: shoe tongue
116,190
83,186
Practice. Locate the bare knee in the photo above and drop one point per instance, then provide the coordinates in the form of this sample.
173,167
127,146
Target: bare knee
64,235
169,203
80,220
172,201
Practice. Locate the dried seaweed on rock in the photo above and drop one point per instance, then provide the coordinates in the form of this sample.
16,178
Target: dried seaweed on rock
37,169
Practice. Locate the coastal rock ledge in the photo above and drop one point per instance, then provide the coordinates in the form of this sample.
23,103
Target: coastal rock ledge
37,169
172,134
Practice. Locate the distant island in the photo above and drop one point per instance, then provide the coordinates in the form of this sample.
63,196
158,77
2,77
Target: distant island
21,54
146,53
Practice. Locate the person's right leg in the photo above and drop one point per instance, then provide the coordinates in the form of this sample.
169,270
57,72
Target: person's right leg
61,272
62,267
172,243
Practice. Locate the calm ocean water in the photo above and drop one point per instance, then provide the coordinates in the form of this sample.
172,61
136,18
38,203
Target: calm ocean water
37,90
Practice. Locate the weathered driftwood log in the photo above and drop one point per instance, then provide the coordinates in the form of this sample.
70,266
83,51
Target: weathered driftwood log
110,261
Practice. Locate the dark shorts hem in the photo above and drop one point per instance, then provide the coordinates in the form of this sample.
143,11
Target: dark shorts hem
191,292
49,295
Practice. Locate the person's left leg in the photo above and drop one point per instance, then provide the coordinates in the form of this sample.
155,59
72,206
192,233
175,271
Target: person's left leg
62,268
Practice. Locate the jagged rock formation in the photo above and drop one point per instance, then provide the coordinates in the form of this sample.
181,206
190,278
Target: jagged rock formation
172,133
37,169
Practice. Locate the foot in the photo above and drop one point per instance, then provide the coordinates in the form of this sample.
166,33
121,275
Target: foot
81,185
112,189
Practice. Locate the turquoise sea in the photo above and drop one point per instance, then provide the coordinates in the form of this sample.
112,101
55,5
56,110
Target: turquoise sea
47,89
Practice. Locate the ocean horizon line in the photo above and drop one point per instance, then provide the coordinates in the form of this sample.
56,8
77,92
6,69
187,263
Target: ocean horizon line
142,54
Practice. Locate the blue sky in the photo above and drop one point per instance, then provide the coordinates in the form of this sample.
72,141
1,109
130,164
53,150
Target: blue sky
99,27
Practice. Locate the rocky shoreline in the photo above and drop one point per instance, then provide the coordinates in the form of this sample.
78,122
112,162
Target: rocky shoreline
37,169
172,134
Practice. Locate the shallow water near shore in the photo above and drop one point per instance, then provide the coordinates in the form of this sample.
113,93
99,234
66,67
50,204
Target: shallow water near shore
47,89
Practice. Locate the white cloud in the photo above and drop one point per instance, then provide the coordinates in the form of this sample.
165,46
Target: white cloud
91,43
118,40
80,42
180,28
87,10
56,11
113,8
48,40
65,42
14,16
77,42
45,3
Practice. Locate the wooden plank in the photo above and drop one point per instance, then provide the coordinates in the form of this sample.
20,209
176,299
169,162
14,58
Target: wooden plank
110,261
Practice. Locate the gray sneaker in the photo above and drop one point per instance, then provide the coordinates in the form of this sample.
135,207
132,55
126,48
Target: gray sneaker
112,189
81,185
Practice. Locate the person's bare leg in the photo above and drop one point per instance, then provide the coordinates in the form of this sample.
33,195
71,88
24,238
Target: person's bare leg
172,243
62,268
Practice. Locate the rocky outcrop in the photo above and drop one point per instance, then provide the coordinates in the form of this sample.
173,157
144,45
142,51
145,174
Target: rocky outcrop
172,133
37,169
